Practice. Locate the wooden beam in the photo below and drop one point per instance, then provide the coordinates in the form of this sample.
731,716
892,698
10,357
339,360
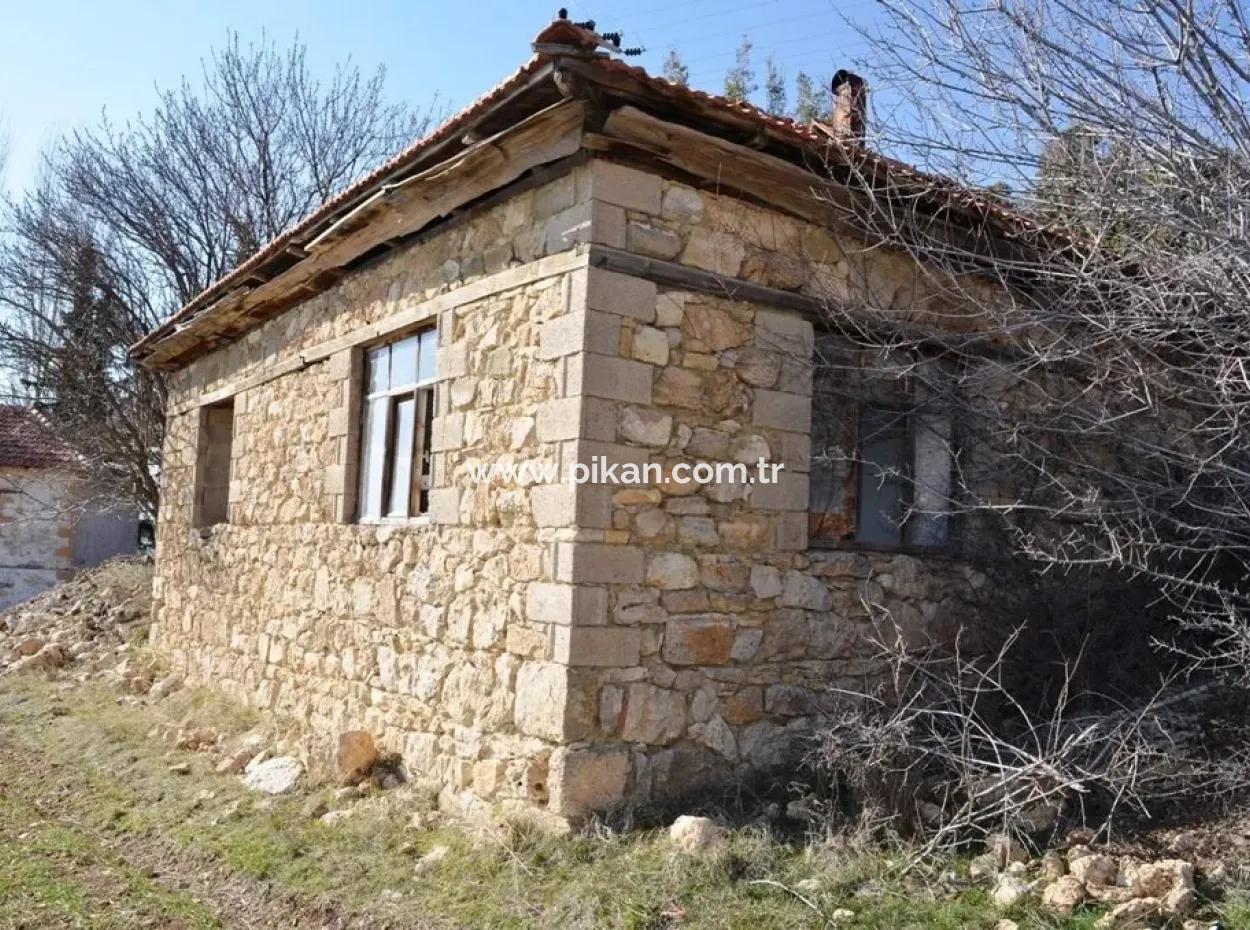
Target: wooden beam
729,166
804,193
405,208
498,283
822,312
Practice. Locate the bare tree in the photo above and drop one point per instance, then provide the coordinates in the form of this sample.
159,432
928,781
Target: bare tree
1084,326
1117,410
129,222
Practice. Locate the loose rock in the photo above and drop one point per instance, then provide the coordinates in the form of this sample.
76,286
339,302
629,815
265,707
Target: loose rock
695,834
1158,879
357,755
1005,849
1138,914
1064,895
1094,869
426,863
165,687
1009,891
273,776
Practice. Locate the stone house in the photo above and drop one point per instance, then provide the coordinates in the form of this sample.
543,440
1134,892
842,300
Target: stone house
52,523
365,521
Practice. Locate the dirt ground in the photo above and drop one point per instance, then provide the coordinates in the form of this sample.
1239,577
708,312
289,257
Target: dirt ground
116,812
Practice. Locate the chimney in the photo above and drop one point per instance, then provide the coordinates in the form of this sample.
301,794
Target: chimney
850,105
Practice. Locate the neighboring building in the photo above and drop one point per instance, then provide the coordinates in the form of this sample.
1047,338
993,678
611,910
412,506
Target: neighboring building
52,523
588,263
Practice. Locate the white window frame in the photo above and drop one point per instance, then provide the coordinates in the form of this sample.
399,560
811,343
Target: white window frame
377,504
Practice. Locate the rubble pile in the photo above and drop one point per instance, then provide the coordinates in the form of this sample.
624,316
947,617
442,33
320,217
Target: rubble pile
1135,892
81,626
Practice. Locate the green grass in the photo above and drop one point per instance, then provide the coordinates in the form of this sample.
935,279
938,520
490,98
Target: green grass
113,784
54,876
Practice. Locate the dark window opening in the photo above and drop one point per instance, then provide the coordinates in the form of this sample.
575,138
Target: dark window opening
882,458
213,464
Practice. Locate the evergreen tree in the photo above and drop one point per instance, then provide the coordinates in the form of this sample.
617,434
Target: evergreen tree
740,79
774,88
809,103
675,69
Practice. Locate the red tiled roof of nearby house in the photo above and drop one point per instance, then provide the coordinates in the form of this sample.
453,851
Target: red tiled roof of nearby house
560,38
27,440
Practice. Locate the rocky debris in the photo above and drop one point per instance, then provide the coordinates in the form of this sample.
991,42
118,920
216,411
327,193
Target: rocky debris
1158,879
695,834
427,863
1094,869
1006,925
1137,914
1064,895
842,915
357,755
242,752
82,624
1004,849
336,816
28,647
313,807
1009,891
273,776
50,657
165,687
197,739
1053,866
180,768
1140,894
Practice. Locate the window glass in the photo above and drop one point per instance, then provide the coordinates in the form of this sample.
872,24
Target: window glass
404,363
404,413
427,368
378,374
883,464
373,464
928,523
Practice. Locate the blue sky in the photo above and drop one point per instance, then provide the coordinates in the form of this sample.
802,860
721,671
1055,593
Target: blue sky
62,64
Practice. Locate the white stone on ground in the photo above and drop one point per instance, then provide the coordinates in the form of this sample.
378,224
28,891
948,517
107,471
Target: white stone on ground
273,776
695,834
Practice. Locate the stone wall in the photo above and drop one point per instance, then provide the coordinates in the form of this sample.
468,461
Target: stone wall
36,532
706,635
529,641
419,632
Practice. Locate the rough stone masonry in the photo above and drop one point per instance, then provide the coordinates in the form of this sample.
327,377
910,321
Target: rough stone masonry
544,645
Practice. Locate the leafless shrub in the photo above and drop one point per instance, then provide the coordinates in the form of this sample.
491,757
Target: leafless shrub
1095,355
947,750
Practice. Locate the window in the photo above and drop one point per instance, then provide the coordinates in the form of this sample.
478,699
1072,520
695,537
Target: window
212,464
881,451
399,411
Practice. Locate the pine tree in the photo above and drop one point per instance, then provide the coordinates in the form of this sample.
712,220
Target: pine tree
774,88
809,103
740,79
675,69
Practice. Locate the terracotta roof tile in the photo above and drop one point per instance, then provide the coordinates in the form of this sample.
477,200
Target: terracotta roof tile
974,204
27,440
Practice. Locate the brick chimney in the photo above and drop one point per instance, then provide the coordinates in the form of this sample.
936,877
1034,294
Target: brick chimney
850,105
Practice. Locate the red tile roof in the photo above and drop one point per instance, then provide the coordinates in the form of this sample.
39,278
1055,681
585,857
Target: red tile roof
565,37
27,440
